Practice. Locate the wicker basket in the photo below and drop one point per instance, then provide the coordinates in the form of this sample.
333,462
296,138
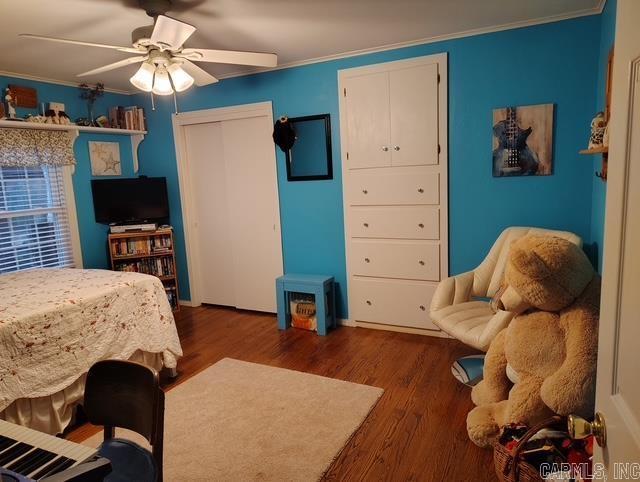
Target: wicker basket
510,467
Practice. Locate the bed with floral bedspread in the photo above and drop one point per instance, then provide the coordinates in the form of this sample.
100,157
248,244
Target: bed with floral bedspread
56,323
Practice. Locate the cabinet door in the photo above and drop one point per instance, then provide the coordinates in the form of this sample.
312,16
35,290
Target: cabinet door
367,101
414,115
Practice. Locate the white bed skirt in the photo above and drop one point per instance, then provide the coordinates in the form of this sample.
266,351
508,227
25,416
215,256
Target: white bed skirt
52,414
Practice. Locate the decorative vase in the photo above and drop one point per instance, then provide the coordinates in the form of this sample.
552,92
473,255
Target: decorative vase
90,112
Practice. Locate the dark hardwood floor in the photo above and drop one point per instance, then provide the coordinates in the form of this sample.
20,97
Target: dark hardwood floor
417,431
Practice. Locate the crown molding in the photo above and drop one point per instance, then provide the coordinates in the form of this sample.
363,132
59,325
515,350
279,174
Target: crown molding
427,40
355,53
35,78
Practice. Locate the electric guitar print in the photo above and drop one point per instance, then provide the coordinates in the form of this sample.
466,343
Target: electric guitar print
513,157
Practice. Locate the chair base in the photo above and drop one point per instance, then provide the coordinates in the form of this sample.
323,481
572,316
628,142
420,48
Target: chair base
468,370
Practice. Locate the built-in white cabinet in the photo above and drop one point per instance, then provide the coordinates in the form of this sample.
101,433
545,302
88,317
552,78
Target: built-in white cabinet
393,134
386,110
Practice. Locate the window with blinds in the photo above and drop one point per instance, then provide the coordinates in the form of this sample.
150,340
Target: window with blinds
34,227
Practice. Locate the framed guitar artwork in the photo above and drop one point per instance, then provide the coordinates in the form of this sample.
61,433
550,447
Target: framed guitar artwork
523,141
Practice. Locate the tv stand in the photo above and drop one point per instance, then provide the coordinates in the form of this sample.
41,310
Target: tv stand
149,252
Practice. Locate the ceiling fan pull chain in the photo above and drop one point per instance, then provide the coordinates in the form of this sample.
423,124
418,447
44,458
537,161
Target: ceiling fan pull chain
175,102
153,103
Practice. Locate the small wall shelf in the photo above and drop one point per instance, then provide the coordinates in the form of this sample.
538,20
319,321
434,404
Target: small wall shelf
604,150
74,131
595,150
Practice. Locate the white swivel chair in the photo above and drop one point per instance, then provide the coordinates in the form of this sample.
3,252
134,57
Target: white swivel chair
456,306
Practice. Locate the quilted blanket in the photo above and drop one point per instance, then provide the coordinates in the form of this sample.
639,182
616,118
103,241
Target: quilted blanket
55,323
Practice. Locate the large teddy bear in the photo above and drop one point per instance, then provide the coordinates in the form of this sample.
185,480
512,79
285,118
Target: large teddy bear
544,362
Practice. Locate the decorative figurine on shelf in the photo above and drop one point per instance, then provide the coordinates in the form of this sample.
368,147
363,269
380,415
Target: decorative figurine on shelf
91,95
598,127
36,119
11,105
56,117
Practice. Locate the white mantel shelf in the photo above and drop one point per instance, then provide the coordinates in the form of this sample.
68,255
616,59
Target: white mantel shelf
74,130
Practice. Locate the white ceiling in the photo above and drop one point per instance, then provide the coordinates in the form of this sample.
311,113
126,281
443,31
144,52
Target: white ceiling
296,30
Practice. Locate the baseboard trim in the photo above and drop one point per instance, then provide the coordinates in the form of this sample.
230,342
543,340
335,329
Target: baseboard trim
401,329
187,303
346,322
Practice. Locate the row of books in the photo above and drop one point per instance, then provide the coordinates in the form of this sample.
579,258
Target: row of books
154,266
131,247
172,296
131,117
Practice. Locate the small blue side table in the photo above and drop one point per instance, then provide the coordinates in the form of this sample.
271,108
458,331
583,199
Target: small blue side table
322,287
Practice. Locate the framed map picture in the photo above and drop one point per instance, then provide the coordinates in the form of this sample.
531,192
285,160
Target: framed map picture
105,158
523,141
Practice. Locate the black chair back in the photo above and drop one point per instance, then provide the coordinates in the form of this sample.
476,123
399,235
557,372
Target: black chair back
126,394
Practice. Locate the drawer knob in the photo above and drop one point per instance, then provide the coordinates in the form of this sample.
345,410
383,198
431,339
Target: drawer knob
422,307
420,190
369,303
421,263
421,225
364,191
366,225
396,148
367,260
385,148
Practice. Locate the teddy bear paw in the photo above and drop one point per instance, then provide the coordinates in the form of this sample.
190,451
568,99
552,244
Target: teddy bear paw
482,427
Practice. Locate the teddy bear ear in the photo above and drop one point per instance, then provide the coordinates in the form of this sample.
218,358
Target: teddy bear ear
524,258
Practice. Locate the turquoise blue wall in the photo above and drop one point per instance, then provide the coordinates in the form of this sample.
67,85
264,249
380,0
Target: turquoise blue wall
553,63
93,237
562,63
599,194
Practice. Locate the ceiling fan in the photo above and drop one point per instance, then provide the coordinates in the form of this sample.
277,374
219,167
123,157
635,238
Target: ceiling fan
166,64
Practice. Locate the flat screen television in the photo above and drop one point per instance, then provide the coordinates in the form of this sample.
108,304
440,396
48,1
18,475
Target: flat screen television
130,200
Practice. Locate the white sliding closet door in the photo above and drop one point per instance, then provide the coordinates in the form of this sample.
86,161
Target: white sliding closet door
254,211
208,174
236,210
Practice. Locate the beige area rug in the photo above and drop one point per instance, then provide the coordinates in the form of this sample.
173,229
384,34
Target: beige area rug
240,421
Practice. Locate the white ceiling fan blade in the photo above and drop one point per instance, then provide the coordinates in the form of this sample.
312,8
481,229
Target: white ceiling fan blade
200,76
115,65
130,50
170,34
231,57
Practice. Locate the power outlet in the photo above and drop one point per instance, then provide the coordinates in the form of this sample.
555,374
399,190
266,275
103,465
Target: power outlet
56,106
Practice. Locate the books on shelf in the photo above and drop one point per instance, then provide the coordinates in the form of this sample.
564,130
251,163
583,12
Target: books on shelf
172,296
161,266
150,253
132,247
131,117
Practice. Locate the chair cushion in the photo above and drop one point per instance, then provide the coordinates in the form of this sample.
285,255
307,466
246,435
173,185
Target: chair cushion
129,461
465,321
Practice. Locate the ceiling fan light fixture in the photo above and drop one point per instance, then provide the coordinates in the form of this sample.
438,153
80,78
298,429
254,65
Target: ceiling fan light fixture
161,82
181,79
143,78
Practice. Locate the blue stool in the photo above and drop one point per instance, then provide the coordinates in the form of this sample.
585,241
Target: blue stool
322,287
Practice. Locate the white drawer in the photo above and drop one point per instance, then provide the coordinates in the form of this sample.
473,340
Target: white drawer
395,222
392,302
419,260
393,186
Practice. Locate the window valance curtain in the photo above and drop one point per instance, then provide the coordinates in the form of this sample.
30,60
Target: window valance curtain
35,147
